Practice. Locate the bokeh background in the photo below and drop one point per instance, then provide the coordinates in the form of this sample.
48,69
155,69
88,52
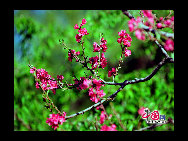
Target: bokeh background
36,41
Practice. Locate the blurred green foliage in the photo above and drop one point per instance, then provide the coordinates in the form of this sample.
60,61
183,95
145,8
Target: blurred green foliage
36,41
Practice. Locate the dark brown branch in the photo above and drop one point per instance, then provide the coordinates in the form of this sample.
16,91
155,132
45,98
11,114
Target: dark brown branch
126,82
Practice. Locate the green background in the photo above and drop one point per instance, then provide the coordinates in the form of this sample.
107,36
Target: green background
36,41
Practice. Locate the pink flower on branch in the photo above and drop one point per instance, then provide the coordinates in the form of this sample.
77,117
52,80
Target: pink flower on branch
44,80
95,94
55,120
102,117
112,72
127,52
71,54
124,38
103,61
94,62
169,45
82,31
108,128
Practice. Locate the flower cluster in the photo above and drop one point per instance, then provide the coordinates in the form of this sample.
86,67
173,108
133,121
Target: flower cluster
112,72
83,83
126,39
96,62
102,46
94,92
71,54
102,117
165,22
134,25
94,86
169,45
82,31
45,81
55,120
151,21
108,128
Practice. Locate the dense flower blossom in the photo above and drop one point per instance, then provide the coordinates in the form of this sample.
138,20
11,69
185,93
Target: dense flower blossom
169,45
97,84
108,128
102,46
133,24
83,83
60,77
140,34
55,120
94,61
45,80
124,38
102,117
71,54
82,31
95,94
127,52
103,61
96,47
113,72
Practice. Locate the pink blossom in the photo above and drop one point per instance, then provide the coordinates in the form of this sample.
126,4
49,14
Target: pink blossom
125,38
96,47
147,13
172,18
103,61
37,85
161,18
53,85
141,111
86,83
83,83
169,45
71,54
95,94
167,22
127,52
46,81
32,70
113,72
102,117
83,21
78,38
60,77
108,128
81,31
96,84
159,25
131,24
76,26
55,120
103,44
94,62
140,34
